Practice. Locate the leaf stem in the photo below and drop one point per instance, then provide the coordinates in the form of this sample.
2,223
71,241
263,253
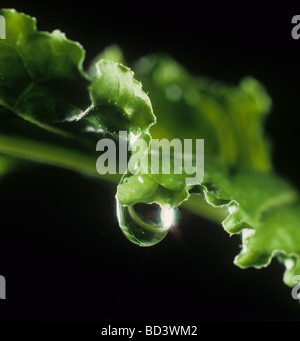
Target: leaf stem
196,204
53,155
78,161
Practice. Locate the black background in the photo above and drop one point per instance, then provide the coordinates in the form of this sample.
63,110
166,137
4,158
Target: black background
61,249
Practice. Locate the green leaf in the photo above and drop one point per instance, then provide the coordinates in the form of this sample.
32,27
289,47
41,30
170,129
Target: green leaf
43,82
41,73
52,111
141,188
112,53
119,99
238,172
229,118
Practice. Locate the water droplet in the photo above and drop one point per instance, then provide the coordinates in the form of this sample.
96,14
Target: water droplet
145,224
